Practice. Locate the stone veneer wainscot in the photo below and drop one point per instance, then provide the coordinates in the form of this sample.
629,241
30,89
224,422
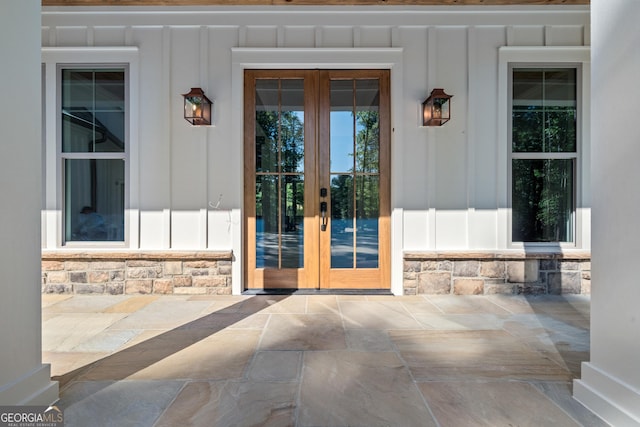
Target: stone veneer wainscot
148,272
205,272
508,272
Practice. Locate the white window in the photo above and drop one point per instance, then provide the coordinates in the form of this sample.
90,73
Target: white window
543,118
544,146
90,137
93,115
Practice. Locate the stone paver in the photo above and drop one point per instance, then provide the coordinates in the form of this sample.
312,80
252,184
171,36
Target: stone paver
488,404
325,360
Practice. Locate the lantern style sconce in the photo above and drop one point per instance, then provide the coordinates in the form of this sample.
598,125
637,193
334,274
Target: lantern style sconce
436,109
197,107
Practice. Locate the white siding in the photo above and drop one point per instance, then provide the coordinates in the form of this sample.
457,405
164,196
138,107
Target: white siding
446,180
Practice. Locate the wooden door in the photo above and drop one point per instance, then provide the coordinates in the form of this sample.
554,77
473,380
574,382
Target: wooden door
317,182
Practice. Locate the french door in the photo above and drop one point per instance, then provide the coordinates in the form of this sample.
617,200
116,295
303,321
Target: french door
316,179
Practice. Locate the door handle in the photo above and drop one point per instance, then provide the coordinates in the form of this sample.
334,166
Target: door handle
323,214
323,209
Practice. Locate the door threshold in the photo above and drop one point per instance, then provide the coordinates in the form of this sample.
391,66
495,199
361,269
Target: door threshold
284,291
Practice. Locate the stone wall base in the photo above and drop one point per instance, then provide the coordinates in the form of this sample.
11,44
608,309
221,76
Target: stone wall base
477,273
119,273
429,273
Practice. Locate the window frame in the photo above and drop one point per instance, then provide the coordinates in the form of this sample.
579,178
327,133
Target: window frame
511,58
551,155
93,155
55,60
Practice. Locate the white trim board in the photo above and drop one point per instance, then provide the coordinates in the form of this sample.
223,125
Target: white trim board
51,58
608,397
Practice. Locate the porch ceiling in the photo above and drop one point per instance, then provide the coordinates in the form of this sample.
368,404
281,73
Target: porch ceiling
310,2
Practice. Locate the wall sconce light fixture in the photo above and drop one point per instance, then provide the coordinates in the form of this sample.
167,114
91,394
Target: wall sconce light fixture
436,109
197,107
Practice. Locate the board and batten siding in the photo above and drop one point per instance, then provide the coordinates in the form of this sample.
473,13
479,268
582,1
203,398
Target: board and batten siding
447,183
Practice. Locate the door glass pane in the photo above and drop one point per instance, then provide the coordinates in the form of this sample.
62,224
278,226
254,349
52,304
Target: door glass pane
280,226
367,213
367,126
267,235
267,121
543,200
342,126
342,221
292,221
355,149
94,200
292,125
280,167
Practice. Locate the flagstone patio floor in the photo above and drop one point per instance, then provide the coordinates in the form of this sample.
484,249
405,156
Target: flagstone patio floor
317,360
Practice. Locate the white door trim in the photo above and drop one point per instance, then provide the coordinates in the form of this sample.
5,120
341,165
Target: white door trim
317,58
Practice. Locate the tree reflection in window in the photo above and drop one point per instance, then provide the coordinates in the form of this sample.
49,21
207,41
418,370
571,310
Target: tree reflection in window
279,173
355,200
544,154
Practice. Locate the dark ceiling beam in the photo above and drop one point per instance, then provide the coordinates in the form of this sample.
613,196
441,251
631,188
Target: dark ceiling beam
312,2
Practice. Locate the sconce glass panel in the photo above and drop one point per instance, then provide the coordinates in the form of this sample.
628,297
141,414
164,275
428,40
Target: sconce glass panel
197,107
436,109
